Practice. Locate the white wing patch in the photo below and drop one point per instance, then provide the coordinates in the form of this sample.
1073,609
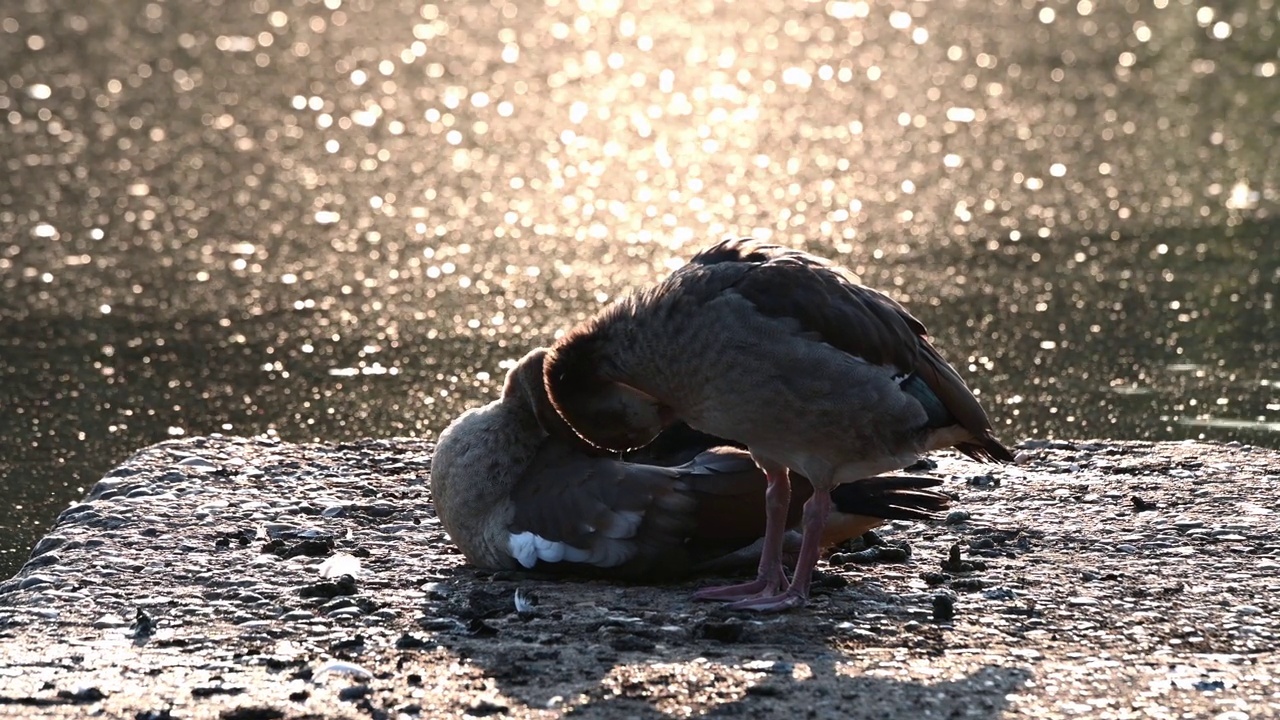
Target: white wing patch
528,549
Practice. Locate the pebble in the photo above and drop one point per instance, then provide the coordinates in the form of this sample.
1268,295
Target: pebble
1081,600
355,692
31,581
339,667
340,564
110,621
397,528
336,603
197,463
298,615
777,667
1127,548
955,517
46,544
49,558
345,612
999,593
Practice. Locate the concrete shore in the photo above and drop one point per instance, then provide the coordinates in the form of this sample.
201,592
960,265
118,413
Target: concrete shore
251,579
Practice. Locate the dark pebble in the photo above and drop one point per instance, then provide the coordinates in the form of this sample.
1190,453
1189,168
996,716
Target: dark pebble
632,643
48,558
922,465
299,695
84,695
252,713
875,554
944,608
1141,505
413,642
829,581
211,690
725,632
767,689
1210,685
347,644
355,692
345,585
153,715
983,481
479,628
74,510
484,708
955,564
969,584
45,545
439,624
314,547
143,624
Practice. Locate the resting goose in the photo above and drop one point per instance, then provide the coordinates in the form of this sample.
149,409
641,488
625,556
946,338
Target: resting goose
516,488
784,353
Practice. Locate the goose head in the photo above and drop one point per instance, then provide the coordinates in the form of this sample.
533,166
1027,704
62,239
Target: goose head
606,412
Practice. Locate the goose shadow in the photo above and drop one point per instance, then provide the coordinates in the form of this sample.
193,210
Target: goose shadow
604,649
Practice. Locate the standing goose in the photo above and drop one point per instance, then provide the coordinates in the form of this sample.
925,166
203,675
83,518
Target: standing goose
782,352
515,487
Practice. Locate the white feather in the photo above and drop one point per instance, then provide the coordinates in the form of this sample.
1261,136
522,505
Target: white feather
529,548
523,548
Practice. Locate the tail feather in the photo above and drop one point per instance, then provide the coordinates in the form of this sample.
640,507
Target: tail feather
986,449
892,497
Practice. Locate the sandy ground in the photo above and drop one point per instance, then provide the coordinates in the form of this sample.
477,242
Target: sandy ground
1095,579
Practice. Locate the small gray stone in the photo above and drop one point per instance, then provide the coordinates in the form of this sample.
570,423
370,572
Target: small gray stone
42,561
197,463
110,621
47,543
345,612
31,581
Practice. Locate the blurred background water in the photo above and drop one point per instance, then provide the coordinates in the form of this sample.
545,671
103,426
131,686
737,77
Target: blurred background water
342,218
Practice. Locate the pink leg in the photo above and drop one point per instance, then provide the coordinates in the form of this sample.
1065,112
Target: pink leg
815,517
770,578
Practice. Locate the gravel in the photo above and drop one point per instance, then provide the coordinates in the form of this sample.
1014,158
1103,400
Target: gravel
220,577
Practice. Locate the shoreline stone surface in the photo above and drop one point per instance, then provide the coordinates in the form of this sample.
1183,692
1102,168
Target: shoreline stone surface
249,578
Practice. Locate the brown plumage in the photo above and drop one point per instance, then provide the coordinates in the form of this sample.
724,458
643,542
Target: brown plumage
782,352
515,487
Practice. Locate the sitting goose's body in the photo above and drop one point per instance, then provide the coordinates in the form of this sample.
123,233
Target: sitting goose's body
777,350
514,487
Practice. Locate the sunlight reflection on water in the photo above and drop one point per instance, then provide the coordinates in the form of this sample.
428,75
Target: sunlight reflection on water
342,219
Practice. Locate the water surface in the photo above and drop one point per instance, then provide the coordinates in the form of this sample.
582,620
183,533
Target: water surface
331,220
